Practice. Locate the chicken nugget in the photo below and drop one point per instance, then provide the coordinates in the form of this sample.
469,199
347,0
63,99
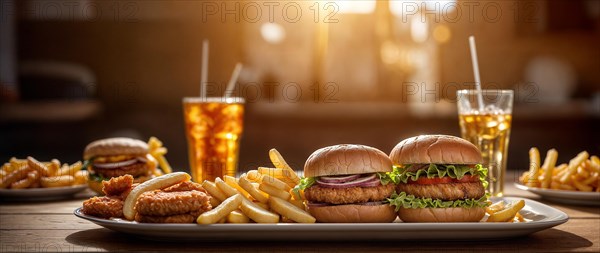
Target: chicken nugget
117,185
159,203
104,207
184,186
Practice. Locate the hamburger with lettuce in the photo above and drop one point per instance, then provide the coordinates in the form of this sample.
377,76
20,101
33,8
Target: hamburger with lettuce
348,183
440,179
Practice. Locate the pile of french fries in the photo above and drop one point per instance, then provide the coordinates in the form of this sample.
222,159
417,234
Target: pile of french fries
582,173
158,151
263,196
31,173
503,212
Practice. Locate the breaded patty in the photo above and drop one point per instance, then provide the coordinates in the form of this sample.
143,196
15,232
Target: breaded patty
104,207
136,169
179,218
317,193
159,203
450,191
185,186
117,186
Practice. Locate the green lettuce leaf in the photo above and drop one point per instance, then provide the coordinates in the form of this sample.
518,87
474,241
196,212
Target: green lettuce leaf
305,182
441,170
410,201
97,177
387,177
86,164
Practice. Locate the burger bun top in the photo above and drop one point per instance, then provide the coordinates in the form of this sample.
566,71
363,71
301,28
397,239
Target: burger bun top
346,159
114,147
436,149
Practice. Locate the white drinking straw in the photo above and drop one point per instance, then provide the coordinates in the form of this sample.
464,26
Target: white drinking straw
476,72
233,80
204,71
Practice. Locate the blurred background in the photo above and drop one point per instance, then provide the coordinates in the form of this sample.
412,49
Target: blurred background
316,73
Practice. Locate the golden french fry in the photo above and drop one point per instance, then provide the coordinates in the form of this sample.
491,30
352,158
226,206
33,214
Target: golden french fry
232,181
214,191
81,177
524,178
582,187
274,172
590,180
154,143
16,163
277,173
548,167
290,211
582,173
64,170
572,167
272,191
262,205
53,167
164,164
286,220
158,152
57,181
555,185
237,216
31,178
493,208
225,188
37,165
214,202
254,176
250,209
14,176
519,217
280,163
70,170
152,184
534,166
290,183
508,213
559,169
258,214
595,163
256,194
227,206
297,203
276,183
567,187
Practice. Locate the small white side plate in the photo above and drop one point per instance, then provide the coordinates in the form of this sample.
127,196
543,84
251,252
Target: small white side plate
563,196
41,193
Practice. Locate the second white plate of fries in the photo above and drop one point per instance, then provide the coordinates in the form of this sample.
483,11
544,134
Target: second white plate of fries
565,196
576,182
538,216
29,179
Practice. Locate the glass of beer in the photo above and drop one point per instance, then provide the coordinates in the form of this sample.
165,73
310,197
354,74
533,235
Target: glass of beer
213,129
485,118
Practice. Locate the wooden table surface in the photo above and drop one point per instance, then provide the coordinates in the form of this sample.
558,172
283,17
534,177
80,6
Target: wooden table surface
51,227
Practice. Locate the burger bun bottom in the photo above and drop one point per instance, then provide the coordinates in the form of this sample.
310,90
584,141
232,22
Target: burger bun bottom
454,214
353,213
